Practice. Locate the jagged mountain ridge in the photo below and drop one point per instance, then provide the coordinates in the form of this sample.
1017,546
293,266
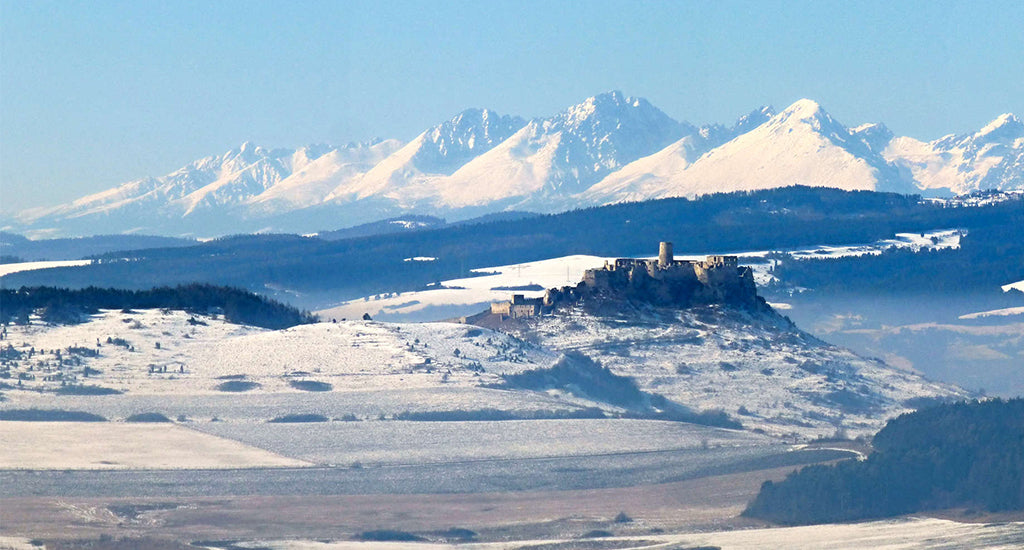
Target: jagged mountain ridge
609,148
989,159
546,160
802,145
435,153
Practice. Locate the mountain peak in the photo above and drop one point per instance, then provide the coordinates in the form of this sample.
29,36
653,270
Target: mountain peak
1004,126
614,97
468,134
803,109
610,104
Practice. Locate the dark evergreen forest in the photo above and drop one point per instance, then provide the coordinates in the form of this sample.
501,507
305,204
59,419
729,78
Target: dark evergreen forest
959,455
19,248
61,305
988,257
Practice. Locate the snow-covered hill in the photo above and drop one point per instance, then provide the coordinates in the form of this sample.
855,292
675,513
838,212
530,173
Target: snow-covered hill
608,148
203,366
756,367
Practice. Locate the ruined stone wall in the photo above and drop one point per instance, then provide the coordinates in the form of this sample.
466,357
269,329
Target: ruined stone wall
718,279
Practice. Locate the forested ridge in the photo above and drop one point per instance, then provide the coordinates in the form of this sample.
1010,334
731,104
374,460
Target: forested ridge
62,305
967,454
774,219
988,258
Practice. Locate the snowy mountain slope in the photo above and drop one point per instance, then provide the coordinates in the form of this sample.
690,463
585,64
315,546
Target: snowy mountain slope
436,152
991,158
312,182
548,160
644,177
802,145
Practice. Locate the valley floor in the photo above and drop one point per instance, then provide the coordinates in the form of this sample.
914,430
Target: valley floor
639,484
685,514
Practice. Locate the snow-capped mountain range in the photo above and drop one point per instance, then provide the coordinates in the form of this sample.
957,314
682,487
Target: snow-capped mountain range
609,148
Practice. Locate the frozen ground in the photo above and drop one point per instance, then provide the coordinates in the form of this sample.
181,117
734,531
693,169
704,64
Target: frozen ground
901,534
7,269
559,473
1019,285
473,294
179,364
108,446
394,442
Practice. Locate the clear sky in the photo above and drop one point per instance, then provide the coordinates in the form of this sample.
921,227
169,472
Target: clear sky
93,94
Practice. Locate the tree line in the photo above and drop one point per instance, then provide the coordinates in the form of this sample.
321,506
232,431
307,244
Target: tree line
988,257
62,305
968,454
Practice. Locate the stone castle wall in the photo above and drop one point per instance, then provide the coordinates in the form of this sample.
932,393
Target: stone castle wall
664,281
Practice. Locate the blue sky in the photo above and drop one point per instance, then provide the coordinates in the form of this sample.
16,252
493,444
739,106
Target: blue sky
93,94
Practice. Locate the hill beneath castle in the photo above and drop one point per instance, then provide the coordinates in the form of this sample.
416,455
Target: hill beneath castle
697,334
753,365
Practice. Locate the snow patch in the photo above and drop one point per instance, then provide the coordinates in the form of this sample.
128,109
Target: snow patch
7,269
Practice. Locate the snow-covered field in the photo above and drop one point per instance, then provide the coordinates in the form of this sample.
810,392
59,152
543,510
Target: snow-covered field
1019,286
7,269
394,442
115,446
473,294
154,352
903,534
898,534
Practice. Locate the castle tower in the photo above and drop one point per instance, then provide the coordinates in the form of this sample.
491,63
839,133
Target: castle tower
665,256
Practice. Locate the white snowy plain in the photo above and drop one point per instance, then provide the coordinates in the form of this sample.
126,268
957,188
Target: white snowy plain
116,446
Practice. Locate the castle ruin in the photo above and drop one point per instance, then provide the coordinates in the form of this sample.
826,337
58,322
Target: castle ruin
664,281
518,306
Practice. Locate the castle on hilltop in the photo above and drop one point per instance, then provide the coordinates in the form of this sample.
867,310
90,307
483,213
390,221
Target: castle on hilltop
664,281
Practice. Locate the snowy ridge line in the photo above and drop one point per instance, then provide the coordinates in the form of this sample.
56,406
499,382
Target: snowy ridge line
607,149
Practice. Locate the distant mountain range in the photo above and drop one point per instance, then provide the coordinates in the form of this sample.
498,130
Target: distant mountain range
609,148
